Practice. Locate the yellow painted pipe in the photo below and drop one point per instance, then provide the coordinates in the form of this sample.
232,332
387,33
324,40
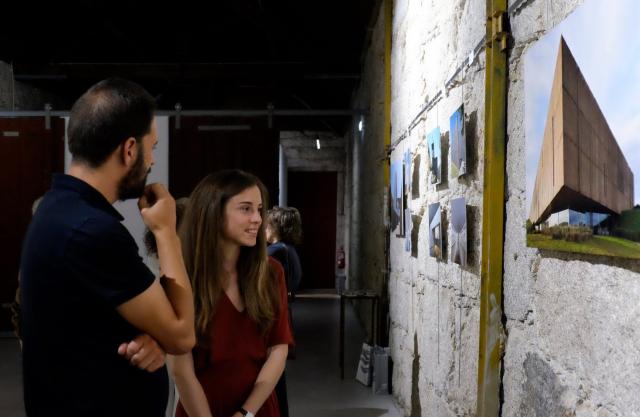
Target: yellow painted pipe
491,340
388,31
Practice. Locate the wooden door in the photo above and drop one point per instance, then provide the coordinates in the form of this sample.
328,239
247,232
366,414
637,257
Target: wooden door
314,194
29,154
204,145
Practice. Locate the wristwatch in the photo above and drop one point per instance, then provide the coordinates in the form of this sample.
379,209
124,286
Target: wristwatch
246,413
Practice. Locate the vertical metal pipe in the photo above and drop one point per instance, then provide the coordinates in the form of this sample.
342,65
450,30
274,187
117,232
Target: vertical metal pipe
282,177
382,332
388,31
491,340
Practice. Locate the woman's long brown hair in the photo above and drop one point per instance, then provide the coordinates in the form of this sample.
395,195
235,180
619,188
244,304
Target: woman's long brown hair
200,232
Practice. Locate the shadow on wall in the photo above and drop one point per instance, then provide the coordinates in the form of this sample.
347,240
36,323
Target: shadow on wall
416,407
471,131
630,264
542,389
474,239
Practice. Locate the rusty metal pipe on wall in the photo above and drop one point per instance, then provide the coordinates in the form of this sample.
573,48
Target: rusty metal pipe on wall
491,340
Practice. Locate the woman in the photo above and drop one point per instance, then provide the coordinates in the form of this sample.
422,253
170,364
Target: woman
240,302
284,230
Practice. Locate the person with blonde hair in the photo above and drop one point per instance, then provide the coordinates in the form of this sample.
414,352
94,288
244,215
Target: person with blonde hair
240,303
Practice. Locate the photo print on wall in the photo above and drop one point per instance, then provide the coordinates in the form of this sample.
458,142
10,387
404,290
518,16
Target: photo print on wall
407,198
459,231
582,140
458,143
435,231
435,156
396,196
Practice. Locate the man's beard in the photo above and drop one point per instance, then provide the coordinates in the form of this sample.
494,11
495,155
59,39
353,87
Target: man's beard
132,185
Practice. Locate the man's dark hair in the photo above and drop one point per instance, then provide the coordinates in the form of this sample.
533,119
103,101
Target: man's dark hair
105,116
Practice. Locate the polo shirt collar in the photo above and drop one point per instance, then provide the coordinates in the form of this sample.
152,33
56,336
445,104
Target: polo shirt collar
87,192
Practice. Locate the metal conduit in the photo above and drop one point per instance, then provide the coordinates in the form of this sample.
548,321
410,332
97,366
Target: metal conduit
491,338
214,113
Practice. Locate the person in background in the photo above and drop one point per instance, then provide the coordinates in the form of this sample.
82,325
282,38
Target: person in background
240,299
284,230
15,306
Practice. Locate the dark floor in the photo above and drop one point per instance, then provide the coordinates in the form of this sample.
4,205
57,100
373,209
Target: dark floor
10,377
313,378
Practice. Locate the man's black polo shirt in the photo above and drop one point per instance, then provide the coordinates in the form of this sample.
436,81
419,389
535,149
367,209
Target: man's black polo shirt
78,264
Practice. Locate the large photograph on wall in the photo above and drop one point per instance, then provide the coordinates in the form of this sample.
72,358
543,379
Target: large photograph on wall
582,118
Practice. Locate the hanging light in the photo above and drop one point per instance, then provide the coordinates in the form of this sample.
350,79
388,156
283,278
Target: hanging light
318,142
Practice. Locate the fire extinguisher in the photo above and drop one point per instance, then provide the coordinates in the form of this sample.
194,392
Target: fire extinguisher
341,258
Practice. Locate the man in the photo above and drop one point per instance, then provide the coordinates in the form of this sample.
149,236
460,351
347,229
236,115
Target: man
85,290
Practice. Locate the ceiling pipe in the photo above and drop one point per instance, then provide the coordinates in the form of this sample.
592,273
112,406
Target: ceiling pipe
212,113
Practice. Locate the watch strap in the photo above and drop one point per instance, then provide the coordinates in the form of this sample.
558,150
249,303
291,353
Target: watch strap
246,413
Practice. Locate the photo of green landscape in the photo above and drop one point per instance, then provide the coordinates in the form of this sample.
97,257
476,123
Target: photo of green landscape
629,247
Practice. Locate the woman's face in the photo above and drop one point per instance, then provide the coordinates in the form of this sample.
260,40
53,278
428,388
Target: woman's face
243,218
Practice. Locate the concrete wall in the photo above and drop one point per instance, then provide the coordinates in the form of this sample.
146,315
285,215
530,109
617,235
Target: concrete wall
434,305
366,159
16,95
301,154
572,321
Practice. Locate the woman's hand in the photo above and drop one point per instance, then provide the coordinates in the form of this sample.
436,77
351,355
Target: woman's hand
192,395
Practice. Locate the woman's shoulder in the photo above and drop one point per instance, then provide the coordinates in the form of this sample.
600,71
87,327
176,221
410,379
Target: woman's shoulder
275,266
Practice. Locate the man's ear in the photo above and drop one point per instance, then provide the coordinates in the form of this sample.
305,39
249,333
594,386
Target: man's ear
129,151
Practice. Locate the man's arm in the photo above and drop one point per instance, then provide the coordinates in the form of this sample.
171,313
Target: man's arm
165,314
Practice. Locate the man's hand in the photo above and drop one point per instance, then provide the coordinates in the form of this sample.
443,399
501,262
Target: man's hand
143,352
158,209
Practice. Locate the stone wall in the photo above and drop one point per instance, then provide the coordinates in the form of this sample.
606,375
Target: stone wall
301,154
572,320
16,95
434,305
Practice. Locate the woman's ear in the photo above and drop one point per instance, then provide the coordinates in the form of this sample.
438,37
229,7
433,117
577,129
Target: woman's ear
130,151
